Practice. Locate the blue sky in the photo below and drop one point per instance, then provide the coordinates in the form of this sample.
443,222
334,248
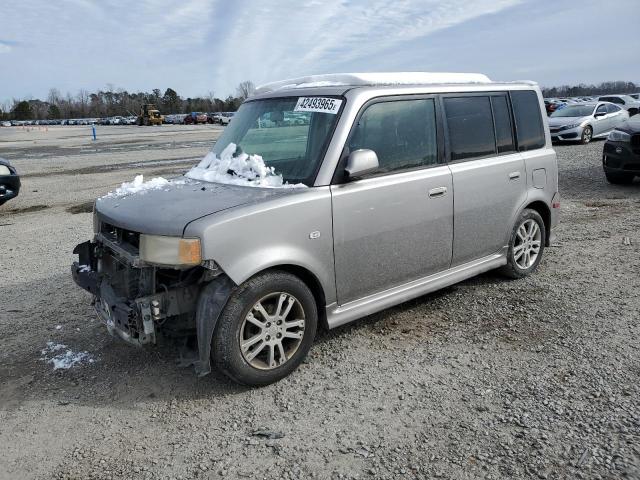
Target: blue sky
202,46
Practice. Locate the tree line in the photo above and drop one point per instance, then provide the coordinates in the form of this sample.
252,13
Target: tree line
584,89
112,102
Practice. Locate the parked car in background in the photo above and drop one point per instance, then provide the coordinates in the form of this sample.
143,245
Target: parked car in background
370,205
621,154
627,102
9,181
584,121
635,96
225,118
6,124
551,105
216,116
195,118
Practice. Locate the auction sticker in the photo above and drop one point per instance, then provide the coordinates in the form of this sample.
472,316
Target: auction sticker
318,104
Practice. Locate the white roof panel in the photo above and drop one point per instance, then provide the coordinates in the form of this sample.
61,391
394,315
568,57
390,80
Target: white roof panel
370,79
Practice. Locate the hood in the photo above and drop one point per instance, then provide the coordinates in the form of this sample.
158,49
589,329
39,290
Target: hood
560,121
168,210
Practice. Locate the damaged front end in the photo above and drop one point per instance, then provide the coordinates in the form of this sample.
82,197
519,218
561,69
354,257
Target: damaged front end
139,301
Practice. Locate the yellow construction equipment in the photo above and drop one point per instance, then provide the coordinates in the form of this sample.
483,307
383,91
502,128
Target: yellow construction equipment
149,115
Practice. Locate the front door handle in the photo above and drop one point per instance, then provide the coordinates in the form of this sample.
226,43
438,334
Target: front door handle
514,175
438,192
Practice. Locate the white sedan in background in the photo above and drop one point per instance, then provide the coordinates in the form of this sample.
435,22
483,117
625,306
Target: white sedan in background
584,121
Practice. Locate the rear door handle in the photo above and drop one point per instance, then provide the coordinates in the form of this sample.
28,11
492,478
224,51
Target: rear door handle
438,192
514,175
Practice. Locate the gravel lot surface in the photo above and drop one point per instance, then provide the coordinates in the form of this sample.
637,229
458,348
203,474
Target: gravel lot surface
536,378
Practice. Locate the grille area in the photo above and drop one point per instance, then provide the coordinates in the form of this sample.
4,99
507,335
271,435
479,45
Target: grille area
123,278
121,236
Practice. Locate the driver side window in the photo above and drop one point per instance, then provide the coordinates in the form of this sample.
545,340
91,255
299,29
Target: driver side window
601,109
402,133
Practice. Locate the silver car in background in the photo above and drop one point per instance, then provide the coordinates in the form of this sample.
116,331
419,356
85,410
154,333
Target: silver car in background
584,121
629,103
385,187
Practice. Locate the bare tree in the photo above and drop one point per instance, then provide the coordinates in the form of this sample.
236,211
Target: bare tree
245,89
54,97
83,101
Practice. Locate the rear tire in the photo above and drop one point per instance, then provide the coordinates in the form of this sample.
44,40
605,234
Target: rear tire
526,245
619,178
276,337
587,135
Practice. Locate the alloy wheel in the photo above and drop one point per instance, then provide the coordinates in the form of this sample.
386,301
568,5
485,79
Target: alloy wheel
272,331
527,244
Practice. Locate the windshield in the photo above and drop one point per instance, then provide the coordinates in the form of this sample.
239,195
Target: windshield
289,134
574,111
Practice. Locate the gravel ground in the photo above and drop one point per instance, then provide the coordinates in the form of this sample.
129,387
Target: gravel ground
536,378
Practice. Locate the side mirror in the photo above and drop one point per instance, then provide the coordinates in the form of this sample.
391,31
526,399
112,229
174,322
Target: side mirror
361,162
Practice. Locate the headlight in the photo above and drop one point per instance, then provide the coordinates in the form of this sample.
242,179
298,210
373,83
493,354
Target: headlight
573,125
170,251
4,170
619,136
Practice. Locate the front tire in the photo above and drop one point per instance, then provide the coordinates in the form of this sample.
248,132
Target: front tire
587,135
526,245
266,329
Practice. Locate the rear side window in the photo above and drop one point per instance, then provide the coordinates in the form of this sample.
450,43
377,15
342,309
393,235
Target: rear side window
526,111
617,100
470,126
502,122
611,108
402,133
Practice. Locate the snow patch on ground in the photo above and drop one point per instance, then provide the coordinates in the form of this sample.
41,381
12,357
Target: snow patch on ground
64,358
140,186
243,169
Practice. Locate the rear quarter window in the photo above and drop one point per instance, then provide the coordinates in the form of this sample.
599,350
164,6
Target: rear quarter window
528,119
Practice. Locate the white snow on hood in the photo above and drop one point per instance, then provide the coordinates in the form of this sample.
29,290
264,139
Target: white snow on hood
243,169
65,359
140,186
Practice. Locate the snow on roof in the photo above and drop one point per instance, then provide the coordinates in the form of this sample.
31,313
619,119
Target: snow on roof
370,79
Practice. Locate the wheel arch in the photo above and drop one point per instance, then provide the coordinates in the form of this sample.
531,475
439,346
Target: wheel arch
545,212
311,281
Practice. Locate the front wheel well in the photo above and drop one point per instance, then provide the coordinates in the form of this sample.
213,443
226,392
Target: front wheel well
314,285
545,213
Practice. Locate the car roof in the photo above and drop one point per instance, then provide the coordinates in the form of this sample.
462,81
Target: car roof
338,84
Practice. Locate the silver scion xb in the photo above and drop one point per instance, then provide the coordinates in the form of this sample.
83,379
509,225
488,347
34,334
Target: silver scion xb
584,121
382,188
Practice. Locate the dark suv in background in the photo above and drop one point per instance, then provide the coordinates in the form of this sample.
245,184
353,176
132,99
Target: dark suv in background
621,155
